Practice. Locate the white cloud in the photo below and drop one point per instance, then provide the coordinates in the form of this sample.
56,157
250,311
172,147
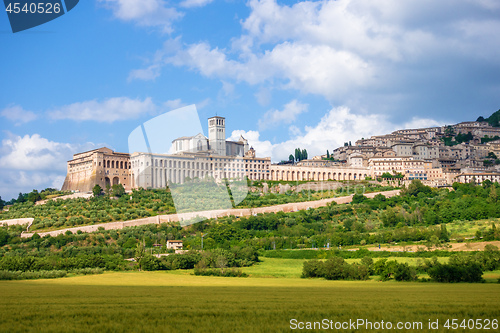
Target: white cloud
202,104
294,131
422,123
150,13
145,74
33,162
263,148
194,3
357,52
312,69
110,110
18,115
287,116
174,104
227,88
36,153
13,182
263,96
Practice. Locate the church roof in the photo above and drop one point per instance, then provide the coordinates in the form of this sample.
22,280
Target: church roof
189,137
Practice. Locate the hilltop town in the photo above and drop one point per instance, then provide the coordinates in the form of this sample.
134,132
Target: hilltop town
438,156
435,155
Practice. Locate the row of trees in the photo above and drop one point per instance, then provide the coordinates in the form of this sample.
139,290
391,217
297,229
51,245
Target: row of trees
32,196
298,156
216,258
493,120
116,190
460,268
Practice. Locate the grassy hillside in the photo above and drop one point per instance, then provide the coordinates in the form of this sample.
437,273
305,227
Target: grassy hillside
493,120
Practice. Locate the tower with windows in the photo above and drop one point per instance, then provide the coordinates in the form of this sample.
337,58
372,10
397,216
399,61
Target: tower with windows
217,135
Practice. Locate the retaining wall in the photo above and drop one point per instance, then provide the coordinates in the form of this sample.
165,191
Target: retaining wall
185,217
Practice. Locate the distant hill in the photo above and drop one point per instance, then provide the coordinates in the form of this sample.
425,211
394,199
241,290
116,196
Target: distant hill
493,120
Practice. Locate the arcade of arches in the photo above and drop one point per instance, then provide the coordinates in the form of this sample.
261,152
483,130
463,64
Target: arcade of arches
294,173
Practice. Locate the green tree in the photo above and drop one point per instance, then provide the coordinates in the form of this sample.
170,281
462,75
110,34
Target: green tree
304,154
494,119
21,198
118,190
327,154
389,218
97,190
415,188
368,262
2,204
493,196
334,269
443,234
140,252
492,155
290,158
34,196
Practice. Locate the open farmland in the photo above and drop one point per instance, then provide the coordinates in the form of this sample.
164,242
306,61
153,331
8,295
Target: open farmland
165,302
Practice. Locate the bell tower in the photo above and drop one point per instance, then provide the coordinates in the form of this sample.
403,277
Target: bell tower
217,135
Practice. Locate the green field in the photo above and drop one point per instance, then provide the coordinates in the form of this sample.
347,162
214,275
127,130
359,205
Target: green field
167,302
292,268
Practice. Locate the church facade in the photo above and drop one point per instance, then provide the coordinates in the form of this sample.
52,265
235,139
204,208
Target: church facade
192,157
200,157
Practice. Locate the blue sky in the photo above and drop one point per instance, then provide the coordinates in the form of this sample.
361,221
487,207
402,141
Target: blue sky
285,74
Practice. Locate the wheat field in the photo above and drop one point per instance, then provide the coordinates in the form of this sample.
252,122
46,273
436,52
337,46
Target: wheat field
180,302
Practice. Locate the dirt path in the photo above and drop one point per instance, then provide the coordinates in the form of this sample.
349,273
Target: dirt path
472,246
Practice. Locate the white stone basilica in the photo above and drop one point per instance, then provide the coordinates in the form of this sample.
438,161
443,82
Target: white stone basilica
199,157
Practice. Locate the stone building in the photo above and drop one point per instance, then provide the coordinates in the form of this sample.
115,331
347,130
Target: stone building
215,144
478,178
99,166
199,157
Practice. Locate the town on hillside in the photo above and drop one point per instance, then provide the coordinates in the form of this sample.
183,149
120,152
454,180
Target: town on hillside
437,156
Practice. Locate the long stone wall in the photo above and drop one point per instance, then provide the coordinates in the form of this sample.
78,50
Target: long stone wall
183,217
24,221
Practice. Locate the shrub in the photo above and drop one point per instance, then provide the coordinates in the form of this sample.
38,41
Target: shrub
30,275
334,269
183,261
403,272
152,263
234,272
312,269
87,271
468,272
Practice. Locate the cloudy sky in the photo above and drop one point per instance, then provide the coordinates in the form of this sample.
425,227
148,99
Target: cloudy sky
285,74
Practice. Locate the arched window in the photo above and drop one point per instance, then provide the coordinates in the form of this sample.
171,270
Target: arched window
199,145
